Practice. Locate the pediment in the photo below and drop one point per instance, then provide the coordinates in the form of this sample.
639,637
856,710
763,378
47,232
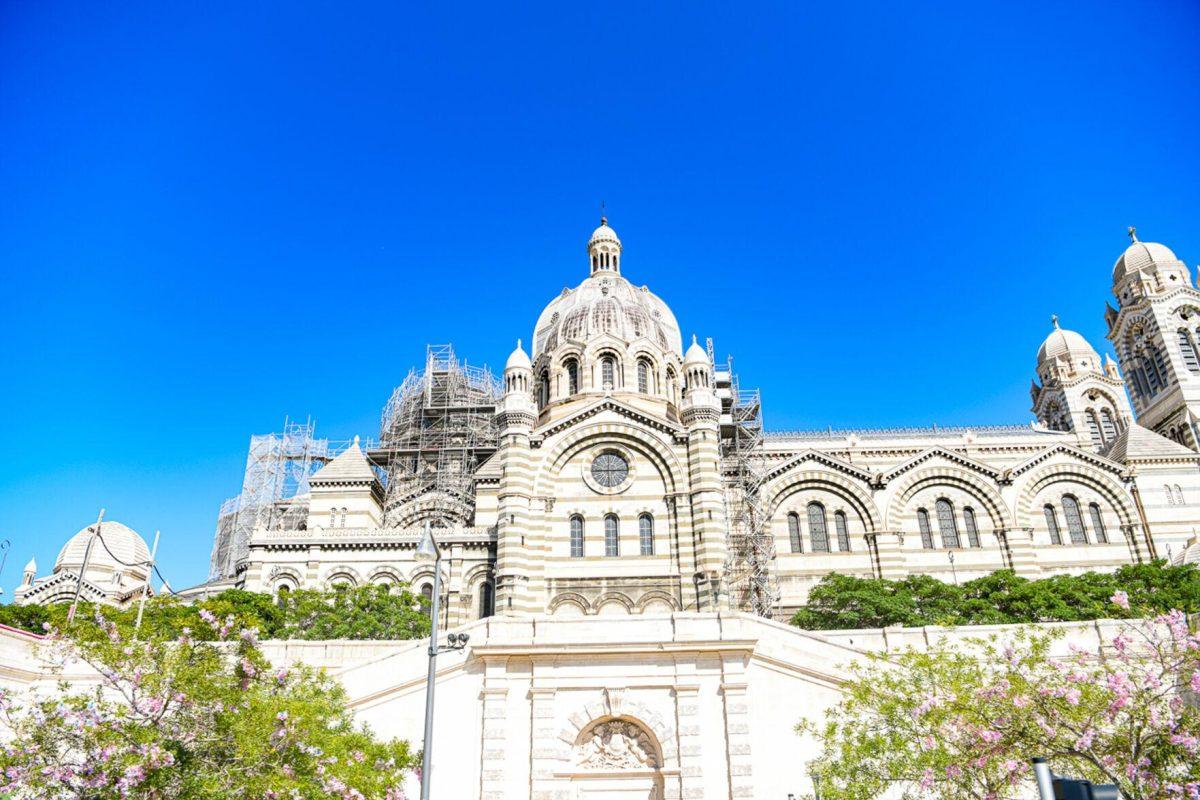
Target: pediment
617,407
1082,455
825,460
936,453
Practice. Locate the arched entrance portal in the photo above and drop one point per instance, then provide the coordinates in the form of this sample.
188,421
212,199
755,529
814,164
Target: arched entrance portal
616,759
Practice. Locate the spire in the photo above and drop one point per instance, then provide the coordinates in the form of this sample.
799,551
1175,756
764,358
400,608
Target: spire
1054,321
1133,234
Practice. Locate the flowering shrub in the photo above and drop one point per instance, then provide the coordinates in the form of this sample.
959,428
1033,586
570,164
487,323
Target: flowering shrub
964,722
199,716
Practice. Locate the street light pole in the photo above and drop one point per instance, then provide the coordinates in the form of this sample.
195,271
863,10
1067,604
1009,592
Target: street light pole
87,556
429,552
427,543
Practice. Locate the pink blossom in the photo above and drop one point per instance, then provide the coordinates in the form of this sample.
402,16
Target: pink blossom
1120,598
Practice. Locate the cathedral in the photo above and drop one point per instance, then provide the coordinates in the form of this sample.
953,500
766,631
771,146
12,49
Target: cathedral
622,538
612,470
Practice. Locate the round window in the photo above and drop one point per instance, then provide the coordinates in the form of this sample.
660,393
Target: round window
609,470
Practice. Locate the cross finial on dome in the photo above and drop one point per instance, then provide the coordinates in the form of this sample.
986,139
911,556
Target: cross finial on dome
1133,234
356,440
1054,321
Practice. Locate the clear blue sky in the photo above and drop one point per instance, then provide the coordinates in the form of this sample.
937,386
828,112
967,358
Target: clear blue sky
215,216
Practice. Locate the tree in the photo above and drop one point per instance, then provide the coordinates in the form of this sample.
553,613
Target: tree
961,721
200,716
364,612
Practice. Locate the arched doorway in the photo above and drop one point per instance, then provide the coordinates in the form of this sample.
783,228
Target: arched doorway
616,759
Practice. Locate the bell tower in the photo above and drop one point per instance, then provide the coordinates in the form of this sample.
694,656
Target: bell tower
1155,330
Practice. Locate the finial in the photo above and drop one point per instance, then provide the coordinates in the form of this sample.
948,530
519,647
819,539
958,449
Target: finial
1133,234
1054,321
518,344
603,216
694,339
356,440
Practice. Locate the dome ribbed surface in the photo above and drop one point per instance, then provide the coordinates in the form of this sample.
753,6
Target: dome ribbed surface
606,303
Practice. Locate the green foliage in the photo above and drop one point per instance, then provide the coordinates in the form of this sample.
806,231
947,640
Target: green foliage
843,601
364,612
368,612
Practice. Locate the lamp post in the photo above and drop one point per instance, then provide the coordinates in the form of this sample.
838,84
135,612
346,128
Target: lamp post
429,552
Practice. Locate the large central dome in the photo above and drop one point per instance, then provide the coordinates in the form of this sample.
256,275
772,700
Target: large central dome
606,303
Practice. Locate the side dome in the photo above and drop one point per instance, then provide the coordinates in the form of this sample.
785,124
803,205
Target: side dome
121,544
1069,345
1144,257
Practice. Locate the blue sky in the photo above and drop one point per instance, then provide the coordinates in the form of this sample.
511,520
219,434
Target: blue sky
217,215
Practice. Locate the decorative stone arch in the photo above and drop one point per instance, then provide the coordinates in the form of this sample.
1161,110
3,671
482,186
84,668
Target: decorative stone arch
614,598
852,493
569,599
638,439
655,596
342,571
433,507
947,475
424,572
386,576
616,706
1094,478
282,576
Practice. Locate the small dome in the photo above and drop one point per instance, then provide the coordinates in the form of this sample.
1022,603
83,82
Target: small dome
604,234
1146,257
125,546
1067,344
695,354
519,359
31,566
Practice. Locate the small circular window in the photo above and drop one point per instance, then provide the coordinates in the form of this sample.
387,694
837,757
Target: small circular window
609,470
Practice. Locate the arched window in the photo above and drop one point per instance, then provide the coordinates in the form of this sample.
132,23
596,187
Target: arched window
671,385
487,599
1179,496
333,518
544,389
572,376
646,534
1187,349
1170,496
1150,361
946,524
343,516
426,598
1052,524
576,536
843,532
794,533
972,528
926,533
1108,425
282,593
1074,520
1098,523
816,528
1093,425
643,375
612,538
608,369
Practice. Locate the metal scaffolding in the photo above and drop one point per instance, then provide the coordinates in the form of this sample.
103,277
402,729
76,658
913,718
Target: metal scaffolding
274,492
437,428
750,563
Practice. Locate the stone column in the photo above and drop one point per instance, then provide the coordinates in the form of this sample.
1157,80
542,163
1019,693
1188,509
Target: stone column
890,548
547,749
691,755
1022,558
494,753
737,727
515,496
